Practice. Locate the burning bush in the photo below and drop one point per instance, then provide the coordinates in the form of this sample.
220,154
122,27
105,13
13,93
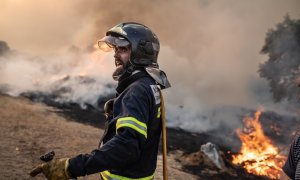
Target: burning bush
258,155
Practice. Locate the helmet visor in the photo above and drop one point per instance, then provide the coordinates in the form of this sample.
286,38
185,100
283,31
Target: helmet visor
108,42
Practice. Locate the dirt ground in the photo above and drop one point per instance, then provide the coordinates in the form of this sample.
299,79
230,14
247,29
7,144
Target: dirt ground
28,130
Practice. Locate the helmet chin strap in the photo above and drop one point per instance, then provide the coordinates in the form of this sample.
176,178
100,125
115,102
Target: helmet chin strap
130,67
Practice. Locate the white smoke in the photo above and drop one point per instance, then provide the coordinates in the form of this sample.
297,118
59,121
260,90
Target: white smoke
74,76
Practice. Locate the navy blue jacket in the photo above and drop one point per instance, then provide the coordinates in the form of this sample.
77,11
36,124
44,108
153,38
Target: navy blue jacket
292,164
130,145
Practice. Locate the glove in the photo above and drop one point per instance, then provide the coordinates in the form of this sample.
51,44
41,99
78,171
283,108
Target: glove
109,109
55,169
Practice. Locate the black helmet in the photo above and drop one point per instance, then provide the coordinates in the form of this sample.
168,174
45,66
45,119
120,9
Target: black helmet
144,49
144,43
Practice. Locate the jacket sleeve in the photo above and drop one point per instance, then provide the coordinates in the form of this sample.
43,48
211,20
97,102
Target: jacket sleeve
125,147
293,159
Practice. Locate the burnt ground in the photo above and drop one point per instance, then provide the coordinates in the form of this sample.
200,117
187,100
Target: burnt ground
29,129
178,139
182,140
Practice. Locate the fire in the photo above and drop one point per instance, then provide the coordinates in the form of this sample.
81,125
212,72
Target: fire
258,154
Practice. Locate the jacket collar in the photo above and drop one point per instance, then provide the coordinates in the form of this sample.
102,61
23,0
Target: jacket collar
124,83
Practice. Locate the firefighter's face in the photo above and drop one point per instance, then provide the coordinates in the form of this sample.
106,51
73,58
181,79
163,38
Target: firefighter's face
122,56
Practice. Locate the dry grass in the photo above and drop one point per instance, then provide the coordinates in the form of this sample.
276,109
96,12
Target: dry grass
29,129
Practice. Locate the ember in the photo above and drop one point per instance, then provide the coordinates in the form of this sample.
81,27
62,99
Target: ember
258,154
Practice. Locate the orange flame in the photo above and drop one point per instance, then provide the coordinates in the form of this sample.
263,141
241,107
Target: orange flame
258,154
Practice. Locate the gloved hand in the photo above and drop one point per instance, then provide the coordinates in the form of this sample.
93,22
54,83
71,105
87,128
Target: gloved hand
54,169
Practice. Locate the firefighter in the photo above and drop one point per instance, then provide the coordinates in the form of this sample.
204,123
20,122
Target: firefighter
130,143
292,165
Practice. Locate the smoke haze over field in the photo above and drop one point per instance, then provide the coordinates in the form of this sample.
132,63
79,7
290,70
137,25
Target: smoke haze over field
210,50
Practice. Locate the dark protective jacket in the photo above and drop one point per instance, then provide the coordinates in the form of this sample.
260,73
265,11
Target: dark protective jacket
292,164
130,145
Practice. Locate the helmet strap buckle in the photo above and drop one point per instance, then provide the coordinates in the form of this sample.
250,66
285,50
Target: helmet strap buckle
130,67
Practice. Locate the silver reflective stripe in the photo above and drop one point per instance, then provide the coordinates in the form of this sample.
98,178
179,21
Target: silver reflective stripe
155,46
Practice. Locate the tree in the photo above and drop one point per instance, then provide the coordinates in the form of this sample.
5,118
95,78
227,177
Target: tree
282,69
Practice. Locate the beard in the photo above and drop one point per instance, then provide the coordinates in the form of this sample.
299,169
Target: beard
119,71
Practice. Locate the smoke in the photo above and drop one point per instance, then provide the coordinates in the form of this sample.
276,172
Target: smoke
210,50
74,76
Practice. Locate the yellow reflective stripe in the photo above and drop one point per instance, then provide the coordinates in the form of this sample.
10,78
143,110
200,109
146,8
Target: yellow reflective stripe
106,175
158,112
103,176
132,123
134,120
133,127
